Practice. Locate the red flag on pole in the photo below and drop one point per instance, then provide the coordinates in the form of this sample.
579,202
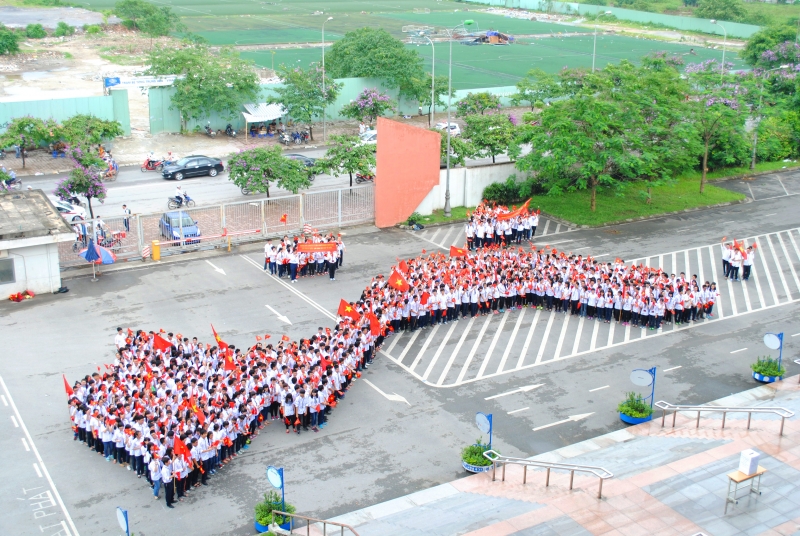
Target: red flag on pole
374,324
457,252
160,343
396,280
222,344
180,449
284,218
403,267
345,309
67,387
201,418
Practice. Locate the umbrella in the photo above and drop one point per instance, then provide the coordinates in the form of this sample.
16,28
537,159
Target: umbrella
97,255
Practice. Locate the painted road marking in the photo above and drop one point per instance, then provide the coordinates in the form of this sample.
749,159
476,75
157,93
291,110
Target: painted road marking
518,410
599,388
673,368
14,420
739,350
394,397
571,418
515,391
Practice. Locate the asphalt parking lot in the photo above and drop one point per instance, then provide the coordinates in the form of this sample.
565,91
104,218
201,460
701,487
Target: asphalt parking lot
378,447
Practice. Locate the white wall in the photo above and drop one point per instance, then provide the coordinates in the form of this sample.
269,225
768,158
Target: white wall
466,186
36,269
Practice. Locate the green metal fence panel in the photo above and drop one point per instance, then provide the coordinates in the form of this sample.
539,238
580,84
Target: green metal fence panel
60,109
122,113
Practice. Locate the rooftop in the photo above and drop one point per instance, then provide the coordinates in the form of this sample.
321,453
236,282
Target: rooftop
29,214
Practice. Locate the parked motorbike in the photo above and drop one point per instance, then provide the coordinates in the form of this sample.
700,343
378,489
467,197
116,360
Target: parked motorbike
209,131
285,139
229,131
174,204
361,178
152,164
13,184
297,138
305,136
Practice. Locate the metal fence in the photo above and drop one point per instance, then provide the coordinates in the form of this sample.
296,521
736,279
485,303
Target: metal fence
130,238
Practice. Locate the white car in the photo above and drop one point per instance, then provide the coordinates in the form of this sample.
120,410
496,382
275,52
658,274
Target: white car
70,212
369,137
455,129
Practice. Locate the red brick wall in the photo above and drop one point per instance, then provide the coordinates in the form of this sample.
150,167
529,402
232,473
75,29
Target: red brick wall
408,168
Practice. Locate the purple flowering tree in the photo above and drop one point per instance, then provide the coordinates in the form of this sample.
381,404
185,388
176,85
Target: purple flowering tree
83,182
369,105
717,105
252,170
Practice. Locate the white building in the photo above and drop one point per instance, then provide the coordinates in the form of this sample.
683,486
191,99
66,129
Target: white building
30,230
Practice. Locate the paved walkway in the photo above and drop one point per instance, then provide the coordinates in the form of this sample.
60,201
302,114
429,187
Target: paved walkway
666,481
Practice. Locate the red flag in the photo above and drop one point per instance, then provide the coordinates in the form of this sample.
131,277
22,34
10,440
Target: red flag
457,252
424,298
258,337
396,280
160,343
284,218
230,364
180,449
222,344
403,267
515,213
285,338
67,387
324,363
374,324
345,309
201,418
424,252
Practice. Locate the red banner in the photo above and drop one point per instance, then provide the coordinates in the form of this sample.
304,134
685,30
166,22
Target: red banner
323,247
515,213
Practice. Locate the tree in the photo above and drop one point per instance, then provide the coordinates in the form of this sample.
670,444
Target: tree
716,110
460,148
765,39
161,21
35,31
132,11
346,154
731,10
477,103
88,129
374,53
36,132
255,169
211,82
9,41
536,86
301,93
83,182
491,135
368,106
422,93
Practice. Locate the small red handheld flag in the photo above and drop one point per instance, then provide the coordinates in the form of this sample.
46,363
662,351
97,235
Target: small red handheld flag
222,344
67,387
285,338
284,218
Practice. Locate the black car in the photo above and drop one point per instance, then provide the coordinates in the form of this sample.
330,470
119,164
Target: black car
193,166
305,160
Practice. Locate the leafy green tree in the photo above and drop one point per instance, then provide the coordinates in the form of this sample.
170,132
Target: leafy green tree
766,39
160,22
422,93
83,182
132,11
477,103
301,93
9,41
368,106
460,148
536,86
374,53
731,10
212,82
35,31
88,129
36,132
346,154
491,135
254,170
63,29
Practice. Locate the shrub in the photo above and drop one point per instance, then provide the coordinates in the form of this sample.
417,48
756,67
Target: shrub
634,406
415,218
272,502
503,193
35,31
473,454
9,41
93,29
63,29
767,366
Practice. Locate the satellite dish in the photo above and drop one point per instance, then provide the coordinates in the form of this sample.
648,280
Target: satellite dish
772,341
274,477
641,377
482,422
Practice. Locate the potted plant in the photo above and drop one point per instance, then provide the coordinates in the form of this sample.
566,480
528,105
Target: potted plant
633,410
767,370
473,460
264,516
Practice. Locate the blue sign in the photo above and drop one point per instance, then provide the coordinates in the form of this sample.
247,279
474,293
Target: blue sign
108,82
275,478
484,424
122,519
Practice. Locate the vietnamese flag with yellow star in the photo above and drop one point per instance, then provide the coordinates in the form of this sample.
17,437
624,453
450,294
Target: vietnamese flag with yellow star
457,252
201,418
398,281
345,309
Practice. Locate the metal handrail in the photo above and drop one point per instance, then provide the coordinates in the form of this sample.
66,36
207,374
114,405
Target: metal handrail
497,458
797,362
783,413
314,520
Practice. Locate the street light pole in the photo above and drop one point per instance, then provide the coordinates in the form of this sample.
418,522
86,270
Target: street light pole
594,47
724,44
447,211
433,78
324,95
760,103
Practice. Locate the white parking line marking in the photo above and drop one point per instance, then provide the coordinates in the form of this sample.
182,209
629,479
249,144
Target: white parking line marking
673,368
25,444
739,350
524,389
518,410
3,398
599,388
14,420
38,472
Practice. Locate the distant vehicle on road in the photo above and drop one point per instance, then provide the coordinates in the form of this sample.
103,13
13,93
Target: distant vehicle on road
455,129
70,212
306,161
193,166
369,137
178,224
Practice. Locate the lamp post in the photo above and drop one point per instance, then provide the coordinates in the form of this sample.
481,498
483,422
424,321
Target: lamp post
324,95
594,46
447,212
433,62
724,44
760,102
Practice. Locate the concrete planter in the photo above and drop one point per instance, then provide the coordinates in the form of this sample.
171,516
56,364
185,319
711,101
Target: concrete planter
766,379
634,420
475,468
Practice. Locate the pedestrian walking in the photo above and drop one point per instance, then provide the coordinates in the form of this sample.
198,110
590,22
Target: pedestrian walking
126,222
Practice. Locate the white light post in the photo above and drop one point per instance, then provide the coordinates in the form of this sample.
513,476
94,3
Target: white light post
324,95
447,212
594,46
760,102
433,62
724,43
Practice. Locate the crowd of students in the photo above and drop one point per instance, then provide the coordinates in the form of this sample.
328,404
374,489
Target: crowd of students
285,260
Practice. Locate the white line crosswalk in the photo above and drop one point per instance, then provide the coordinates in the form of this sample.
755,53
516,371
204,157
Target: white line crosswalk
454,235
475,349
